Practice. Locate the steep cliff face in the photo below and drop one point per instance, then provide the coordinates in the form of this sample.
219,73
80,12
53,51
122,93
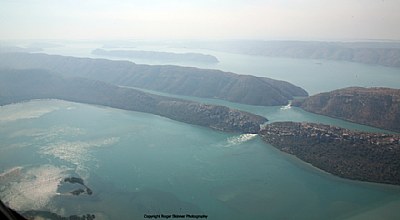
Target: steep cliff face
22,85
378,107
354,155
171,79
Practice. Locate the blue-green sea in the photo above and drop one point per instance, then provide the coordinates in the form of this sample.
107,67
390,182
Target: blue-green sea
140,164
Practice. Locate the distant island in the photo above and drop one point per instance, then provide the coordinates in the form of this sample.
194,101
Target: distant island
378,107
178,80
157,55
23,85
376,53
349,154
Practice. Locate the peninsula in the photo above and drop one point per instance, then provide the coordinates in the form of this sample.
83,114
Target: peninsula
349,154
23,85
377,107
188,81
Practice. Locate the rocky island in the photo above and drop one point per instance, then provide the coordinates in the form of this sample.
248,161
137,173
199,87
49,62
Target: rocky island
157,55
23,85
377,107
81,182
349,154
188,81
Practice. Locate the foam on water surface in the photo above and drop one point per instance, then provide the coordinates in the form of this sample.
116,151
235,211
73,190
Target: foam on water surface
32,188
31,110
236,140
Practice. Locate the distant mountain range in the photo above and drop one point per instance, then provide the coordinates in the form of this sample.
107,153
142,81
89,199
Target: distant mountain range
378,107
23,85
377,53
179,80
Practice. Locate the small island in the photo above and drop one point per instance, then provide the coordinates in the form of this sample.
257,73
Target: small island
81,182
372,157
45,214
158,56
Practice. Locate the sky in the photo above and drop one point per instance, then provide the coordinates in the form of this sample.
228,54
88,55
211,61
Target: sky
200,19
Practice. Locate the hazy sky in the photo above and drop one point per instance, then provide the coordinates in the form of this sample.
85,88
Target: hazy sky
200,19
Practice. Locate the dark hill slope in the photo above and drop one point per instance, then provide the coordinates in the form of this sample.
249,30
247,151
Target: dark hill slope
171,79
372,157
22,85
378,107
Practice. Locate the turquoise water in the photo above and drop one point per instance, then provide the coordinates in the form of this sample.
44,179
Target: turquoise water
277,113
139,163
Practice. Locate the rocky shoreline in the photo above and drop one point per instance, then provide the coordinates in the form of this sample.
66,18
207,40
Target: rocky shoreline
372,157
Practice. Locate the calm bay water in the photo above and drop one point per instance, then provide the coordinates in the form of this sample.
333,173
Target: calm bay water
138,163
